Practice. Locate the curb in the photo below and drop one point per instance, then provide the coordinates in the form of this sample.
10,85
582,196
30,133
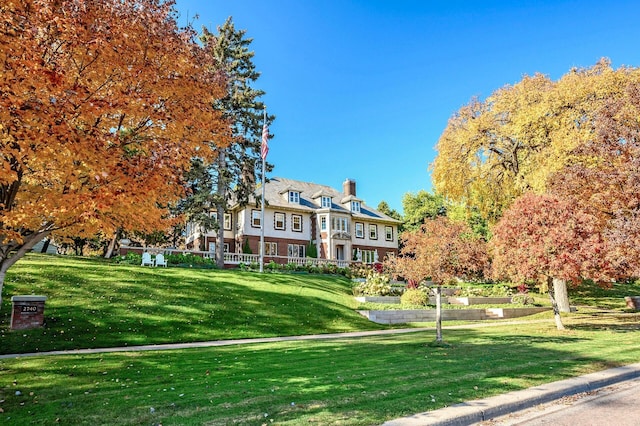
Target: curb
480,410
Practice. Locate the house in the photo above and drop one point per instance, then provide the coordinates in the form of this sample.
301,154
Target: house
302,216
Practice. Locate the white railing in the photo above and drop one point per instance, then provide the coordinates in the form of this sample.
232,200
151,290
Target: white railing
237,258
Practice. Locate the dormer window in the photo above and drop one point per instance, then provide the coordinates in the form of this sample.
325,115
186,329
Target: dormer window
355,206
326,202
294,197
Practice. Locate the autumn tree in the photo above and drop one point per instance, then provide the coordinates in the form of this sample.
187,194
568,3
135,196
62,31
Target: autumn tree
604,179
542,238
443,251
232,176
102,107
495,150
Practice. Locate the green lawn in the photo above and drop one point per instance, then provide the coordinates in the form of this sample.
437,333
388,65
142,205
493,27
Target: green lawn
343,381
340,381
94,303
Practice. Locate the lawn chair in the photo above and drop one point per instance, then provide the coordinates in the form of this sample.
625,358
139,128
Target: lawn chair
160,260
146,259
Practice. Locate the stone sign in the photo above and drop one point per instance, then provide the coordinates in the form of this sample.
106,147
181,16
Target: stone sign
28,312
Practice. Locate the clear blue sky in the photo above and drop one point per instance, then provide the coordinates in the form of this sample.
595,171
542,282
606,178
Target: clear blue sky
362,89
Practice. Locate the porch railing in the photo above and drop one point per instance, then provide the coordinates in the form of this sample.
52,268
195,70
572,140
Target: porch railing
237,258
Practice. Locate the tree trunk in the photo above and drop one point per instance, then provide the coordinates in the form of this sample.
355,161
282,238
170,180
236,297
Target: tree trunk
561,295
438,314
112,245
554,305
8,256
221,191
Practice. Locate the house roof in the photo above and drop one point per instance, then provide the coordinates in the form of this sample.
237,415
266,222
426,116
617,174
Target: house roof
277,188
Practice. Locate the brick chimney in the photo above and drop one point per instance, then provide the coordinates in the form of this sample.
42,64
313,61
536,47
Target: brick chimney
349,187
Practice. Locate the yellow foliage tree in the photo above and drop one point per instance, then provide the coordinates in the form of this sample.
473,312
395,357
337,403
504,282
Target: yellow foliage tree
491,152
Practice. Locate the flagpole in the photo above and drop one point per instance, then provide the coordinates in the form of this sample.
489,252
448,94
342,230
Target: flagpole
263,155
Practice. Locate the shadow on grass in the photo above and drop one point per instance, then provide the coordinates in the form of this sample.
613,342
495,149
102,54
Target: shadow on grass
97,304
348,381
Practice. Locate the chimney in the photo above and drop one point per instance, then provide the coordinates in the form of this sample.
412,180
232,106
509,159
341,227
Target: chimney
349,187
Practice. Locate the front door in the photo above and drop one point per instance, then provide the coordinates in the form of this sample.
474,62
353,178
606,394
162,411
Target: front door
339,252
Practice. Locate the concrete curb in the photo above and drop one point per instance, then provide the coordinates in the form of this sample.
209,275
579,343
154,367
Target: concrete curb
479,410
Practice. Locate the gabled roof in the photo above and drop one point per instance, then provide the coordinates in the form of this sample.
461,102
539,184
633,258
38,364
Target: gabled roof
309,199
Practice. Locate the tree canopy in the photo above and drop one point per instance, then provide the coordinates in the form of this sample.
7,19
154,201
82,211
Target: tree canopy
495,150
442,250
102,107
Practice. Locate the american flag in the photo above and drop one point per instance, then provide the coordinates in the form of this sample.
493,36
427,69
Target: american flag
264,149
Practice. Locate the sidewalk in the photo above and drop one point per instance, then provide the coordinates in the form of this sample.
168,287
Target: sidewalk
214,343
471,412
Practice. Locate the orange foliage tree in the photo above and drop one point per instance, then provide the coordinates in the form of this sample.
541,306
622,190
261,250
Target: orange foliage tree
541,238
443,251
604,179
102,106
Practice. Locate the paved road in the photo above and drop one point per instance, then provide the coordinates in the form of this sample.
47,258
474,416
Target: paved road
618,405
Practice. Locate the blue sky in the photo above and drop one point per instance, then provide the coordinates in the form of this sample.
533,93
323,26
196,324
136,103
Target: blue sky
362,89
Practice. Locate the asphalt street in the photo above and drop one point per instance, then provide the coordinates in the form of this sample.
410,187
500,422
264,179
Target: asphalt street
617,404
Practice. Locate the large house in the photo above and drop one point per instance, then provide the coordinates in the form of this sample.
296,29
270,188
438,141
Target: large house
300,216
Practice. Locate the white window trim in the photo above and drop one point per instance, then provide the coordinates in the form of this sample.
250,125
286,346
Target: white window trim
388,233
373,232
227,225
293,223
359,227
284,221
256,216
294,197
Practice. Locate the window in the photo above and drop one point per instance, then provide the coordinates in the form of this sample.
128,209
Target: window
340,224
323,223
227,221
373,232
212,247
279,221
296,222
326,202
255,218
368,256
270,249
359,230
294,197
388,233
295,250
355,206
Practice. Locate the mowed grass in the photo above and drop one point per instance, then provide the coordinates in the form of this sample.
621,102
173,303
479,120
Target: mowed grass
343,381
93,303
360,381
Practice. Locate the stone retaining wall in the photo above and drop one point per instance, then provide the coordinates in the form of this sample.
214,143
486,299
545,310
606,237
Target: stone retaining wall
428,315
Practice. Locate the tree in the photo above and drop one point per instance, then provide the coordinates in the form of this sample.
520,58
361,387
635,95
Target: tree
420,206
604,178
384,207
444,251
232,176
542,238
495,150
103,106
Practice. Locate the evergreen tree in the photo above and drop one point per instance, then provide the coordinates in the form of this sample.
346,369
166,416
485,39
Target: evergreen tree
232,176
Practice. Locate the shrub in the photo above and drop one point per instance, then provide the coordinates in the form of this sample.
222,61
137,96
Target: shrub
522,299
485,291
376,285
131,258
414,296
